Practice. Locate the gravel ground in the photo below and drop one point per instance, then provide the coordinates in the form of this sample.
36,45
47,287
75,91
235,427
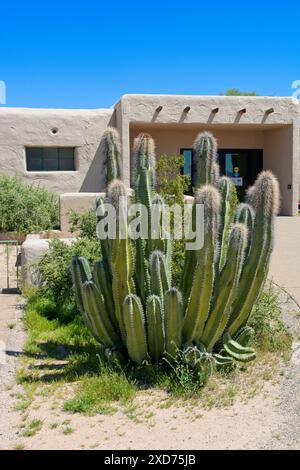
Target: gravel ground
12,340
289,405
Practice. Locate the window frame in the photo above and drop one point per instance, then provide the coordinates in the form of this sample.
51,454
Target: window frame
43,157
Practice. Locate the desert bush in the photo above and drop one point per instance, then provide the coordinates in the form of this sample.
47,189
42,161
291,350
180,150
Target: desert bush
55,296
26,208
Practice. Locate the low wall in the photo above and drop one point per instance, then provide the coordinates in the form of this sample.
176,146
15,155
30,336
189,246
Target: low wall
32,250
78,202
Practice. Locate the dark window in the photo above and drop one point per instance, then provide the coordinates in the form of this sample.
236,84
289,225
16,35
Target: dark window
188,166
50,159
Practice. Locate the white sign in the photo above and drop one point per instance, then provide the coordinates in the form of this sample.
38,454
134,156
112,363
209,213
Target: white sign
237,181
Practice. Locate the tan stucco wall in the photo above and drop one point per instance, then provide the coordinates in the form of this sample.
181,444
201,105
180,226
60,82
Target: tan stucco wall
277,133
278,156
170,139
81,129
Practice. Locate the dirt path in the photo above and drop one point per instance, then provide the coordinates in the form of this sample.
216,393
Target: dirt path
12,337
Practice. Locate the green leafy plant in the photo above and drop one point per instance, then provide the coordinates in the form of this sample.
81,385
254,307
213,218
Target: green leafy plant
55,296
171,184
271,333
128,300
84,225
238,92
26,208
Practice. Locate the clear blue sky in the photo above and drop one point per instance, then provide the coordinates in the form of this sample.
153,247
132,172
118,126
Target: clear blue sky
86,54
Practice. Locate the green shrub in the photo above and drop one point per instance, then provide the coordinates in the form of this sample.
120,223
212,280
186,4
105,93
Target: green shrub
83,224
26,208
170,182
271,333
55,297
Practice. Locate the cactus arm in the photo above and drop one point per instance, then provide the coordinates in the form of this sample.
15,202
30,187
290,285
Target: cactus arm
80,273
173,321
225,290
244,214
121,257
264,197
102,280
100,321
155,328
158,274
201,293
203,281
135,329
105,243
205,152
111,148
251,285
141,274
122,282
144,157
224,186
190,263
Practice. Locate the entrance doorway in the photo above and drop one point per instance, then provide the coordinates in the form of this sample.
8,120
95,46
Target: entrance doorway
242,166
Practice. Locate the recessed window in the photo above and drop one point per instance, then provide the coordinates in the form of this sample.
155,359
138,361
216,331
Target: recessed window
50,159
188,166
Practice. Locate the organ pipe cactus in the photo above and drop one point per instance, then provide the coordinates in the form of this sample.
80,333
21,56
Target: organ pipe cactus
128,300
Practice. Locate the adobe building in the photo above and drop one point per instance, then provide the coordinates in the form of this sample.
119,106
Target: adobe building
60,148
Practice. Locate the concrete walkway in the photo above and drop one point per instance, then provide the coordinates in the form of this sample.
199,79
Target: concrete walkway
285,262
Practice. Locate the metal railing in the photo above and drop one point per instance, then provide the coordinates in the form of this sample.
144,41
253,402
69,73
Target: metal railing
7,244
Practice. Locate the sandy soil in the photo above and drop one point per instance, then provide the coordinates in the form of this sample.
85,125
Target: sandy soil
269,420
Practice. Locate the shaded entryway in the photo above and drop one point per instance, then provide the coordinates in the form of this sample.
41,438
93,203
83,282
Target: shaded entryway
275,141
